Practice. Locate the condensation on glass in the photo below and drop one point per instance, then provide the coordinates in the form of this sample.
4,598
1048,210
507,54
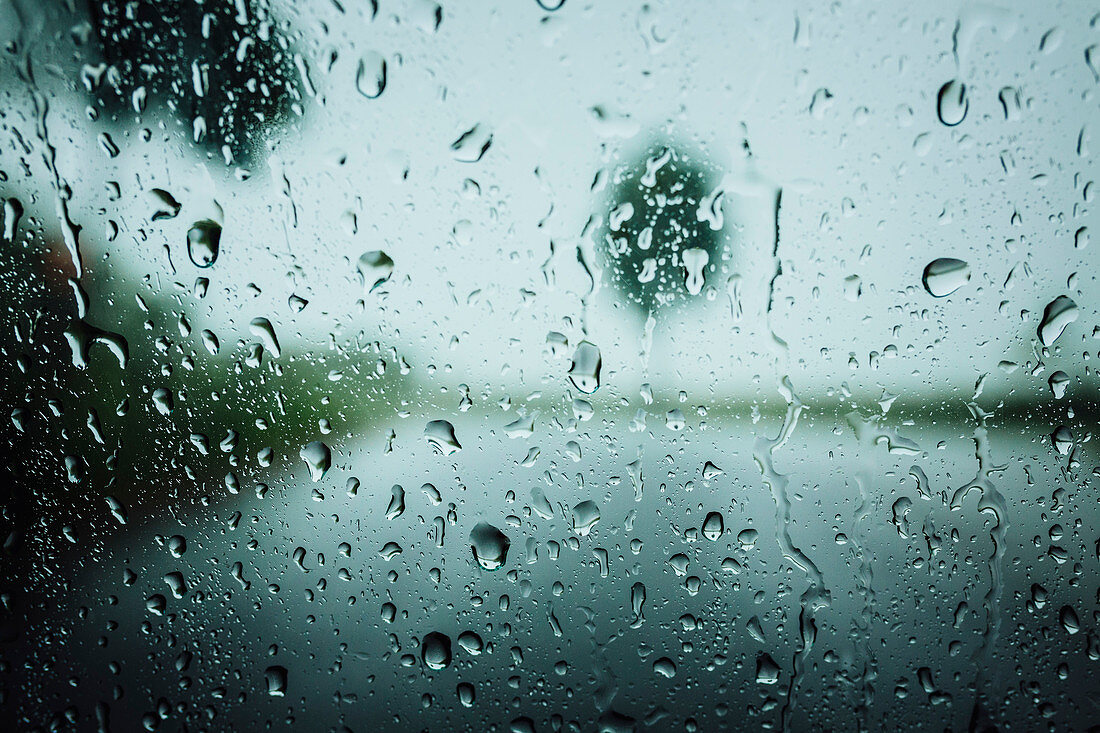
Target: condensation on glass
548,366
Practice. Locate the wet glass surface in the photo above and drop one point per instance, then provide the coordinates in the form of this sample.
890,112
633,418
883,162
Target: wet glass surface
548,366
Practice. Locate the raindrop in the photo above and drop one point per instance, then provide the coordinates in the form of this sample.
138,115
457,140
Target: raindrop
440,434
370,76
276,678
952,103
1059,382
767,671
318,458
489,545
713,526
584,372
375,268
435,650
165,205
203,240
1069,620
944,276
472,144
1058,314
585,516
665,667
396,506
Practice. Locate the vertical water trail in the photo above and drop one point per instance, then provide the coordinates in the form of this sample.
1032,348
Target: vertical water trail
815,597
991,501
866,434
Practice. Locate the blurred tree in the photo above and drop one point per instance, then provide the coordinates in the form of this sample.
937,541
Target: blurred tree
661,203
224,69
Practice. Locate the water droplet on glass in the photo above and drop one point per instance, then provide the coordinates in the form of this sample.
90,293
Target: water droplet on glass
435,650
584,372
203,240
695,260
370,76
1062,440
471,643
472,144
1059,383
713,526
165,205
585,516
952,103
396,507
318,458
262,329
375,268
1069,620
440,434
767,671
276,678
665,667
1058,314
944,276
489,545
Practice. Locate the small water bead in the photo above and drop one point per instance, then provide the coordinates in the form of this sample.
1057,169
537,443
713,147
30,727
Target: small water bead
204,242
262,329
944,276
1062,439
472,144
489,545
952,103
165,205
1070,622
396,507
177,545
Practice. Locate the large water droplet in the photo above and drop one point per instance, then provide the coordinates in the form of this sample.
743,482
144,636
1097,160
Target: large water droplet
584,372
767,671
1058,314
695,259
585,516
375,268
952,103
165,205
472,144
1059,382
944,276
435,650
203,241
276,678
713,526
490,546
1069,620
318,458
440,434
370,76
